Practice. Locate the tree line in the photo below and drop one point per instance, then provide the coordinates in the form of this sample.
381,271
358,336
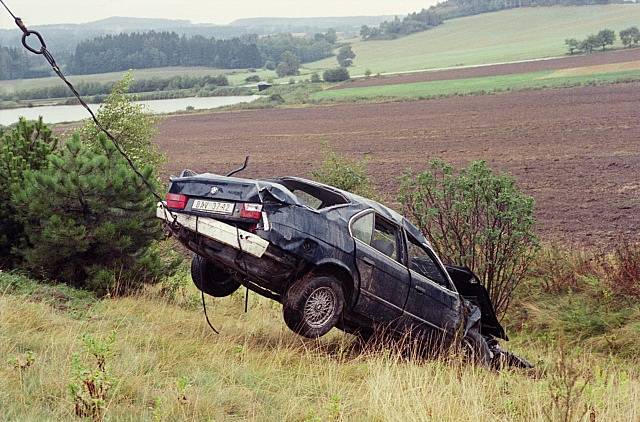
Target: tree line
606,37
111,53
413,22
15,63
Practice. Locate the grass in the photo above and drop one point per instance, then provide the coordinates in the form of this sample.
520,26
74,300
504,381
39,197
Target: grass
517,34
167,365
235,77
487,84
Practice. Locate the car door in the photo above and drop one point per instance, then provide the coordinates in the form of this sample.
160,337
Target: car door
384,280
433,300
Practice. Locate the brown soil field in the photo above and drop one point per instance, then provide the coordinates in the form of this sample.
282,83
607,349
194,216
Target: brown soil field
569,62
575,150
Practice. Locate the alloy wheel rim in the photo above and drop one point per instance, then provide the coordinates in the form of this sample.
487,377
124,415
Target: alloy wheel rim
320,307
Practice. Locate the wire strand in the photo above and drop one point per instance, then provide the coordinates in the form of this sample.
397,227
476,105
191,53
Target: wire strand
8,10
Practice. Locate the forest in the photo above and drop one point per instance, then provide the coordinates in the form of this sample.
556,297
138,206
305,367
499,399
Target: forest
111,53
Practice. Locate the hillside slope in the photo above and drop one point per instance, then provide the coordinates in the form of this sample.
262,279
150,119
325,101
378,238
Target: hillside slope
517,34
167,365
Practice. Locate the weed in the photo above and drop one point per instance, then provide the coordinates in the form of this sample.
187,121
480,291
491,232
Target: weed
90,385
566,388
182,385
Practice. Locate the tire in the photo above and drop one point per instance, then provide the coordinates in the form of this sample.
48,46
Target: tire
211,279
477,349
313,305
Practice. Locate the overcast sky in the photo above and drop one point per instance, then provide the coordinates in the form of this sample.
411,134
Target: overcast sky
35,12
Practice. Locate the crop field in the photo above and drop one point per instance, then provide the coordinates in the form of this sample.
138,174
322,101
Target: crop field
517,34
488,84
600,62
575,150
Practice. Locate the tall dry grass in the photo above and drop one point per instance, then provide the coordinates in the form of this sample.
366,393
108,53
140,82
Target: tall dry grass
168,365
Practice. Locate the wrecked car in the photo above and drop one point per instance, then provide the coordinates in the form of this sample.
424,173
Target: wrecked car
331,258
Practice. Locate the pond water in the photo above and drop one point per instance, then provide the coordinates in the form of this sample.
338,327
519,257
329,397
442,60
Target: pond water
63,113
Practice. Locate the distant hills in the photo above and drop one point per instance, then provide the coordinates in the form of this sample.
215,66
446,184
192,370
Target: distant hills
63,38
339,23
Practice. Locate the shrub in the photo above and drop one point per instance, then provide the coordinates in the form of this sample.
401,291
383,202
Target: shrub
475,218
315,78
338,74
344,173
622,268
89,220
25,147
131,125
90,384
252,78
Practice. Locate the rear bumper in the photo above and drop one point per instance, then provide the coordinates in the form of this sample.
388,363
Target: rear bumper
218,231
248,257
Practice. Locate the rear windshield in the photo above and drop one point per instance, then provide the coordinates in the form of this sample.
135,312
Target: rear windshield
315,197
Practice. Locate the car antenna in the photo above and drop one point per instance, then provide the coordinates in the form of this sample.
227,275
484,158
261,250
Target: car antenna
238,170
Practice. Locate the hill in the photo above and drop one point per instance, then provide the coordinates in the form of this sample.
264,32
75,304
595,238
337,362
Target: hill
64,37
339,23
516,34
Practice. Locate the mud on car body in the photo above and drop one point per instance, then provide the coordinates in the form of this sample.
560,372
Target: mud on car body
332,258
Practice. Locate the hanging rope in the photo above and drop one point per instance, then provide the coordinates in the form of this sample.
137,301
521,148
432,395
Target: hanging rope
43,51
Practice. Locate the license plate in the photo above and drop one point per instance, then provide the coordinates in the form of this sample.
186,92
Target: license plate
213,206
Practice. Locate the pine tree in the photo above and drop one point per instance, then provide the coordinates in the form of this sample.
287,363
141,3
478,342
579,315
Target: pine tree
24,147
89,219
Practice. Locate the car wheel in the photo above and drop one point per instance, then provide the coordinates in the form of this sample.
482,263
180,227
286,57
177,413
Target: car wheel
313,305
477,349
211,279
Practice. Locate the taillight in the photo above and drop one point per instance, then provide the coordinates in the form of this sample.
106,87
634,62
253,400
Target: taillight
251,211
177,201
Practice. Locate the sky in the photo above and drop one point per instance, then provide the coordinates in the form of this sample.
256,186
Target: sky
37,12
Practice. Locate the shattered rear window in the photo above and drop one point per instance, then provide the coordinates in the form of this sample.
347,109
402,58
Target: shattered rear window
313,196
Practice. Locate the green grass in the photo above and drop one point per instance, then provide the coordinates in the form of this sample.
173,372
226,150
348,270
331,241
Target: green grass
488,84
511,35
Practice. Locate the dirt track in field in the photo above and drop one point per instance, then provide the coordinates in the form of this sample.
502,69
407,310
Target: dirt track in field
576,151
569,62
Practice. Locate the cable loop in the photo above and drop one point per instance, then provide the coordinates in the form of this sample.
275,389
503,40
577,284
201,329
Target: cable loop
43,46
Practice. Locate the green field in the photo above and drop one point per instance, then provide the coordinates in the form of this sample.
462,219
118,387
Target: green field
511,35
235,76
488,84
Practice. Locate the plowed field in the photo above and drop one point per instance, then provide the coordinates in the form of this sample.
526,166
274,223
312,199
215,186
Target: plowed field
576,150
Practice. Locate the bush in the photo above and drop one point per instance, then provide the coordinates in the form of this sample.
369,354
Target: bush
25,147
345,174
338,74
622,268
89,220
475,218
315,78
252,78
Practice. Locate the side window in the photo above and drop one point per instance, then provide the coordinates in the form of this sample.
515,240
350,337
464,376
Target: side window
377,233
362,228
422,262
385,238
